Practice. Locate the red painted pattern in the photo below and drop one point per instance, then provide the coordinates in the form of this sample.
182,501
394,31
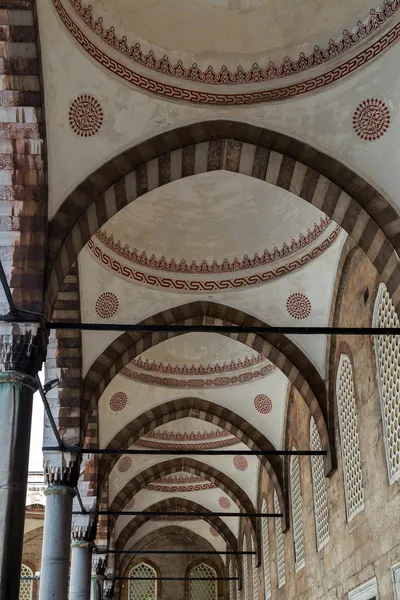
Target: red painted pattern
298,306
205,446
371,119
192,285
263,404
225,503
106,305
118,401
201,97
85,115
168,369
124,464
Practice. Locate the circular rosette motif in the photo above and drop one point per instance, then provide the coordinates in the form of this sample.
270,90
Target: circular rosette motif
224,502
214,532
118,401
124,464
240,463
85,115
298,306
106,305
371,119
263,404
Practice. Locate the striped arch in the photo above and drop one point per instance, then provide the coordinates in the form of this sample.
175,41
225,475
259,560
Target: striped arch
175,505
195,467
281,351
199,409
231,146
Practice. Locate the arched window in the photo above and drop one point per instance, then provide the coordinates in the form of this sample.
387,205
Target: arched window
254,572
387,351
245,570
347,412
203,590
265,552
142,590
297,513
280,544
26,587
319,489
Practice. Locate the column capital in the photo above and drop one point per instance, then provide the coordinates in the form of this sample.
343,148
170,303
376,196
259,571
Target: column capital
22,347
61,469
99,565
108,589
83,529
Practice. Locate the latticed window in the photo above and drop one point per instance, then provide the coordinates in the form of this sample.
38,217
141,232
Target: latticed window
203,590
297,513
265,552
280,544
246,571
142,590
26,587
319,488
387,350
353,481
254,572
232,587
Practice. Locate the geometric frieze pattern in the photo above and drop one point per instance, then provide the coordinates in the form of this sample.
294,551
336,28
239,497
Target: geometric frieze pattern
26,587
387,353
265,552
297,512
319,488
371,119
203,590
173,91
280,545
349,438
142,590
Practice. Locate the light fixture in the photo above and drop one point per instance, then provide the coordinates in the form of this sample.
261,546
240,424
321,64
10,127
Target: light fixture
50,385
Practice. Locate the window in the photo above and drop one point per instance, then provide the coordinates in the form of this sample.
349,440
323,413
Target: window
319,489
254,572
365,591
203,590
387,352
280,544
265,553
232,593
396,581
142,590
26,587
353,482
245,570
297,513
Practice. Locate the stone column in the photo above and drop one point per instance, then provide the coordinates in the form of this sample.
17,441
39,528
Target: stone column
99,564
22,348
57,526
83,535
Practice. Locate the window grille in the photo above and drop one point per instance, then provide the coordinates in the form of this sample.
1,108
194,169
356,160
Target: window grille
365,591
26,587
265,552
232,593
297,513
396,581
203,590
352,472
254,573
246,571
387,351
142,590
319,489
280,545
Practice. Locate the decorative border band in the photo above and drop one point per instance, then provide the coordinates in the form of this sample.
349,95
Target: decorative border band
196,370
173,92
257,74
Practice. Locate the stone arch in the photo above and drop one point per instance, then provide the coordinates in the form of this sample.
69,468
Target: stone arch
176,504
196,467
237,147
277,348
200,409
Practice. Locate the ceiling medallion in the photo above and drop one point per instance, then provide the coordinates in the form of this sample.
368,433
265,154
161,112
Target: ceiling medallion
174,92
85,115
225,503
106,305
298,306
371,119
240,463
263,404
124,464
214,532
118,401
